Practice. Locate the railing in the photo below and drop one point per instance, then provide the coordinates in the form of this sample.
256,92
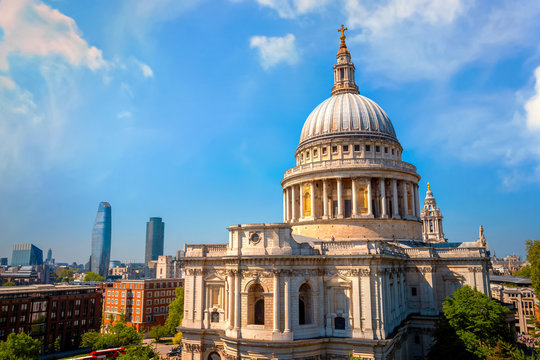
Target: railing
206,250
363,163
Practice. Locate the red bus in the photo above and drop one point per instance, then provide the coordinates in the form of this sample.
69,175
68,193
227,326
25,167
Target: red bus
107,353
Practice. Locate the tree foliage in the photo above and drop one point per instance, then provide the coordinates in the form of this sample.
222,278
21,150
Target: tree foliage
177,339
119,335
139,352
157,332
8,283
20,347
524,271
176,311
471,326
66,275
92,276
533,257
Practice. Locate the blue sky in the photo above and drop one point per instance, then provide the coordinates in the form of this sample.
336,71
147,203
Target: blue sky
192,110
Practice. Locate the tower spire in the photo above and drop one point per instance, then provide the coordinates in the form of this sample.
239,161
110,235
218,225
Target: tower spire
344,69
432,230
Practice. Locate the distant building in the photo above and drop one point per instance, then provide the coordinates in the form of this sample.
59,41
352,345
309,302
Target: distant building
154,239
144,303
49,256
26,275
517,292
101,240
114,263
507,265
50,312
26,254
3,261
168,268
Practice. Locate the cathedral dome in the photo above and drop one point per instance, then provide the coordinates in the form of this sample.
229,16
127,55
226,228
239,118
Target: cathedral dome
350,115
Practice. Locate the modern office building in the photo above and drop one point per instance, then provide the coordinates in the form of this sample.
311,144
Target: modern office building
154,239
50,313
49,256
101,240
3,261
26,254
144,303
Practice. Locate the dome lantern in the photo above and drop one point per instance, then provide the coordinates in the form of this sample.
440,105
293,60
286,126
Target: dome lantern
344,69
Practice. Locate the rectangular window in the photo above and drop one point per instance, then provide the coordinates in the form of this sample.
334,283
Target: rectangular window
368,147
356,147
413,291
377,148
334,149
385,150
345,148
392,151
314,152
324,150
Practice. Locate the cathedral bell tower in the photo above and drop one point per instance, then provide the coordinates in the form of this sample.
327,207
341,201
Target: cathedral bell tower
431,220
344,69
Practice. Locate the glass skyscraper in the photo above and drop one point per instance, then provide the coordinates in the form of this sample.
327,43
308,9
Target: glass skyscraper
26,254
101,240
154,239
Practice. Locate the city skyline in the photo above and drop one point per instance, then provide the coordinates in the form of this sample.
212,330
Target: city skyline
192,111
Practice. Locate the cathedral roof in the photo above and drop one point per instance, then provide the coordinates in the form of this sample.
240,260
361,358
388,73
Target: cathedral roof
347,114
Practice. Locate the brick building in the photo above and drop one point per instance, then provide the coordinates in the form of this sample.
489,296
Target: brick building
50,313
144,303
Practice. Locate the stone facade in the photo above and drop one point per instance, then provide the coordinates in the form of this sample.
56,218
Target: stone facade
347,272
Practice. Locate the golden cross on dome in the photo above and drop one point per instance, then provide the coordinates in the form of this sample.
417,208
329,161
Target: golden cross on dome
342,30
428,186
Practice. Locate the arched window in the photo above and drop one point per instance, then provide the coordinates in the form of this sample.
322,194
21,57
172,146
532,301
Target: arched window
339,323
256,304
305,308
214,356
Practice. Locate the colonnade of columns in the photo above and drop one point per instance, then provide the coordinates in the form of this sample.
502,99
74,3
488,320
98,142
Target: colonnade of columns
351,198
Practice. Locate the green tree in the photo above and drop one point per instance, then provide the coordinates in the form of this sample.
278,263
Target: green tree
176,311
122,335
533,257
92,276
66,275
177,339
93,340
471,326
524,271
139,352
8,283
20,347
158,332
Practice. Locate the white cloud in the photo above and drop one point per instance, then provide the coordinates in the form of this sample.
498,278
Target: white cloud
32,28
145,69
292,8
124,115
274,50
408,40
532,106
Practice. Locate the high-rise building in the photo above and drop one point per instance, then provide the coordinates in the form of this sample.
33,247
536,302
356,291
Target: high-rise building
26,254
101,240
49,256
154,239
3,261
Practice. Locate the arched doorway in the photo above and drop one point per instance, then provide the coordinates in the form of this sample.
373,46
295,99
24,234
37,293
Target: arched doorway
256,304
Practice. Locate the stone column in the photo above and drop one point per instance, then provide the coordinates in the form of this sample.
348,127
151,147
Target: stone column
356,303
284,205
202,300
207,309
413,200
384,214
340,198
395,201
293,203
230,281
405,201
312,189
325,199
237,302
288,195
416,201
367,302
369,205
287,304
276,302
354,199
301,201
